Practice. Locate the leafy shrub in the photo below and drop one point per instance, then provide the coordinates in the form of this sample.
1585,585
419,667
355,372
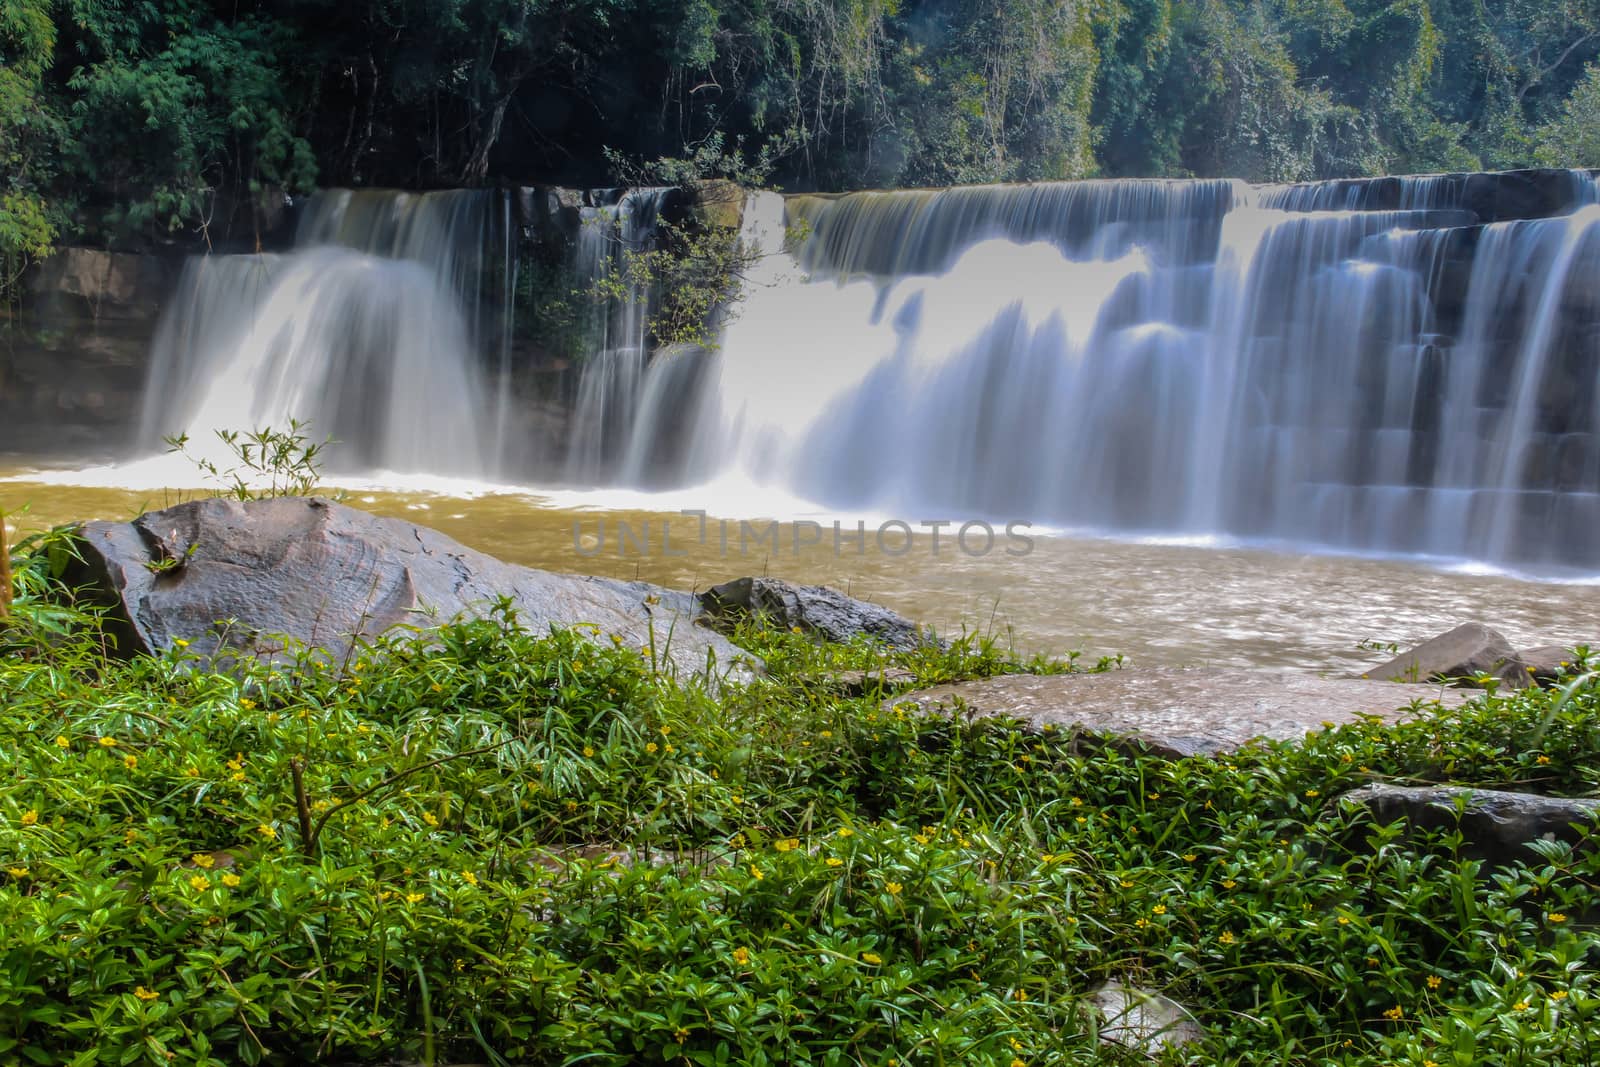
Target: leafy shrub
492,844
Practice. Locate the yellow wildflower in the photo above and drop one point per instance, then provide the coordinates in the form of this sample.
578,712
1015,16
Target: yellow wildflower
144,994
892,888
845,831
30,817
1189,857
755,872
108,742
1521,1005
1016,1062
872,958
1159,909
267,832
203,860
1228,883
1560,994
835,861
1542,760
741,956
1394,1013
469,877
130,761
62,742
412,898
1434,981
1226,938
650,748
1557,917
430,818
17,872
788,844
230,880
588,752
199,883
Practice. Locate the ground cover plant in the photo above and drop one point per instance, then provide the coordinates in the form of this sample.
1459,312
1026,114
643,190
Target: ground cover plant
496,846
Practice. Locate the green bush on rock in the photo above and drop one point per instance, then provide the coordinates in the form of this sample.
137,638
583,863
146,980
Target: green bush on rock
516,848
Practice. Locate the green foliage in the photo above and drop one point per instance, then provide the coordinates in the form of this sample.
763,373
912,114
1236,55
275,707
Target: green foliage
494,845
1572,137
265,463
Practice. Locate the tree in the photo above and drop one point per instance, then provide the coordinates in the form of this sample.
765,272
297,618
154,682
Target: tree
29,131
1572,137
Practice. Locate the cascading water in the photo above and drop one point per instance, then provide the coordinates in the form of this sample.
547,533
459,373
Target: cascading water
1364,366
373,331
621,224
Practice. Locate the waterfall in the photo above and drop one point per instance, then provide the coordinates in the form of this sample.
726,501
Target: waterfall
1376,366
374,331
622,223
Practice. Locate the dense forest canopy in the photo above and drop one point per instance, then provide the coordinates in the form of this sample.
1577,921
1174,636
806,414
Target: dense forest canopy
128,122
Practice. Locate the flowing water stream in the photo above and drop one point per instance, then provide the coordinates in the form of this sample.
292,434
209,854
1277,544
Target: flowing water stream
1246,424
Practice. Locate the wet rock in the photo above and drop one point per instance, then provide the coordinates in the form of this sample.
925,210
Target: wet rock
718,203
812,608
96,284
1181,713
1143,1021
1467,652
1497,825
1550,663
234,578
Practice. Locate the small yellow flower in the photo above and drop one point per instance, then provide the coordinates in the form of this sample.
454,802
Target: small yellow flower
1226,938
1312,793
237,762
1521,1005
755,872
1560,994
1228,883
1542,760
469,877
430,818
650,748
1140,923
588,752
130,761
29,817
144,994
788,844
204,860
872,958
108,742
62,742
412,898
845,831
1125,883
267,832
892,888
246,703
1344,920
1189,857
1434,981
1394,1013
1557,917
239,776
1159,909
180,642
670,749
192,772
199,883
1016,1062
230,880
17,872
835,861
825,733
741,956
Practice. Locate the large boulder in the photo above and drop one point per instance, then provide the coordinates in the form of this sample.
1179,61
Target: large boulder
1180,713
1458,657
233,578
815,609
1142,1020
1496,826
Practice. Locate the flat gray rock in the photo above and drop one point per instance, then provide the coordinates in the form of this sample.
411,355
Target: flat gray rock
1183,712
1495,824
232,577
1141,1020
